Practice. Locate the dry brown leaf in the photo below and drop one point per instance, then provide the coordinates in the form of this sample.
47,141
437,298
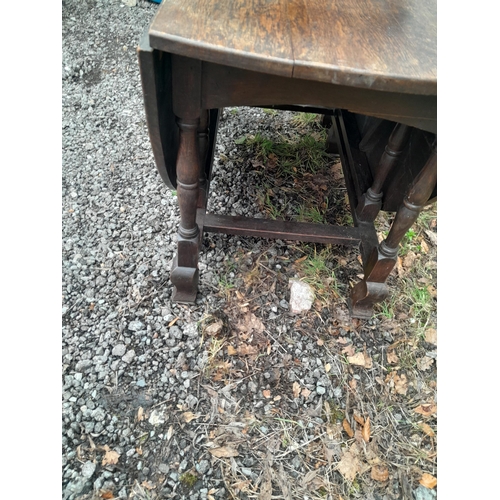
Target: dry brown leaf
296,389
189,415
247,350
427,429
426,409
320,342
173,322
353,384
347,428
106,495
359,419
401,384
302,259
428,480
266,393
358,359
214,328
170,432
424,363
231,351
409,259
431,336
241,485
223,452
328,367
392,357
432,236
380,473
140,414
366,430
305,392
432,291
349,465
349,350
249,323
399,267
424,246
148,485
111,457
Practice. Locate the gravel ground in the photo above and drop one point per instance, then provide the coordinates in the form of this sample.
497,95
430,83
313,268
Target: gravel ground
167,401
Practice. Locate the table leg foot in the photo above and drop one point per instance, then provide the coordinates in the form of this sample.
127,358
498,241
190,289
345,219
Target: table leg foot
364,296
185,281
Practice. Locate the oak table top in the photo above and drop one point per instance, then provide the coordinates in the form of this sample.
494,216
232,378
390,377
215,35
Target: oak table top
386,45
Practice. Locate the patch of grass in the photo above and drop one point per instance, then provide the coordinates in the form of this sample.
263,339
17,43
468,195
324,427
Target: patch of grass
317,270
386,309
273,211
311,214
304,119
307,154
269,111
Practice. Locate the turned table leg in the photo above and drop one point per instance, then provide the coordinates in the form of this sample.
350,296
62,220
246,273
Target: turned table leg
184,275
203,139
371,202
373,289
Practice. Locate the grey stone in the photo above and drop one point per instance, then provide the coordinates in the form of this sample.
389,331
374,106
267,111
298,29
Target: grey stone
129,356
119,350
320,389
203,466
136,326
98,414
83,365
423,493
88,469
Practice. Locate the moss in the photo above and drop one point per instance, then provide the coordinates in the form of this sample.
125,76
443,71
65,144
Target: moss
188,480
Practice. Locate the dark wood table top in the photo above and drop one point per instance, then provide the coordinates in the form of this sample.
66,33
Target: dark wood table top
386,45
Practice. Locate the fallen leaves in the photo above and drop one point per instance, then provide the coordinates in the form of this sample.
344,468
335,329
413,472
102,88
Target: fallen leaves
428,480
392,358
349,465
366,430
347,427
379,473
223,452
427,429
306,392
424,363
431,336
296,389
188,416
398,383
360,359
266,393
110,457
426,409
363,430
214,328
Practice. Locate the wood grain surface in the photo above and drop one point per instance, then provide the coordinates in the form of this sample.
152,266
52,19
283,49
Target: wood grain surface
387,45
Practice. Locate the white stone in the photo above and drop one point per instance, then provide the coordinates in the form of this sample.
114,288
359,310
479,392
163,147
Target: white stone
301,297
